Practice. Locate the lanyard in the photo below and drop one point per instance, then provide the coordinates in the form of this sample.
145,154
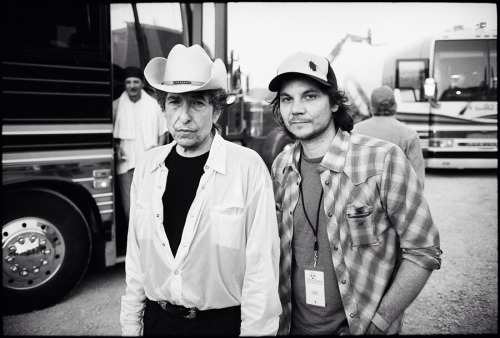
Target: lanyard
314,229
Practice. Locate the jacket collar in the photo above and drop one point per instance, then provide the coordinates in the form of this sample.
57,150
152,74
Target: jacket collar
216,159
334,158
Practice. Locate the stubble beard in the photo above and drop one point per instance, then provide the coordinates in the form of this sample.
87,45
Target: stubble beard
312,135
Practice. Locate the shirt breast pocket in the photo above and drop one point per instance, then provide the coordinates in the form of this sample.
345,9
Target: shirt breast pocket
228,225
361,226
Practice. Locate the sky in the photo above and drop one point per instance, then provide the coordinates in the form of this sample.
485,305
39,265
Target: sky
264,34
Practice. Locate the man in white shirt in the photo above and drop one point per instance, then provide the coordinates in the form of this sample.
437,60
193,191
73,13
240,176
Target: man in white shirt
203,244
138,126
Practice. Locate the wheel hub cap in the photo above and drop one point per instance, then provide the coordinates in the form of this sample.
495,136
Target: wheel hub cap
32,250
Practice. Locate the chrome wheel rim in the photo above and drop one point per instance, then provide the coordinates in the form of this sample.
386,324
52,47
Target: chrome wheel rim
33,250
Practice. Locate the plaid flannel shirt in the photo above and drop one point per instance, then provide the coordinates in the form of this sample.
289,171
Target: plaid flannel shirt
359,171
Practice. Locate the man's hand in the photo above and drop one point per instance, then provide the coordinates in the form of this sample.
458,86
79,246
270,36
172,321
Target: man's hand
120,155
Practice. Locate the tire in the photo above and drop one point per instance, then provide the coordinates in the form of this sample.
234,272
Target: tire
46,247
274,144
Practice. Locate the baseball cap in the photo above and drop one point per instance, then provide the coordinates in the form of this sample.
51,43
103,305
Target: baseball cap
383,99
314,66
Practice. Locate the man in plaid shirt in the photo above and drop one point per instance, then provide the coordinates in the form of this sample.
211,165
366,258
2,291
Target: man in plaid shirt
358,242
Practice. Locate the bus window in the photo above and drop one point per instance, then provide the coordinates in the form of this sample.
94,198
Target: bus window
461,70
125,48
65,26
410,79
58,70
162,27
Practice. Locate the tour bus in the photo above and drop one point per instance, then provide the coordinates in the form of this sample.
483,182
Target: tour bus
457,120
62,72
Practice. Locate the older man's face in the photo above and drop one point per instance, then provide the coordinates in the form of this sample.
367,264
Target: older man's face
190,117
133,87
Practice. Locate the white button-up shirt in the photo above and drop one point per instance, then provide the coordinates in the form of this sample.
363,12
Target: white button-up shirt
229,250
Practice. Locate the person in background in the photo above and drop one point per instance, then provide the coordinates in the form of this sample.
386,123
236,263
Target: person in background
384,125
203,245
358,242
138,126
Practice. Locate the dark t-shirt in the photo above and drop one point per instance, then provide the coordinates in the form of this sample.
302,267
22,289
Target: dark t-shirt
311,319
184,174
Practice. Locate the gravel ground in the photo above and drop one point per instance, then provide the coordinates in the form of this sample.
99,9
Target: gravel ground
461,297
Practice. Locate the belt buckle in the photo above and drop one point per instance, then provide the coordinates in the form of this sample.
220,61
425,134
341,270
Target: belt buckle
192,313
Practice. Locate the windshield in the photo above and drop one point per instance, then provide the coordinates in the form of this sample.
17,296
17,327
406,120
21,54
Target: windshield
466,70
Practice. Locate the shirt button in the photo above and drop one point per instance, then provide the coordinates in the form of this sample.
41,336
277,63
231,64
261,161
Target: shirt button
298,183
176,272
206,166
184,245
159,187
290,212
329,214
163,244
352,315
335,248
157,215
343,281
327,182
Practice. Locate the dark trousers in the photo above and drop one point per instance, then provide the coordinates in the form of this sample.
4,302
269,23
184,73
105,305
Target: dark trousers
211,322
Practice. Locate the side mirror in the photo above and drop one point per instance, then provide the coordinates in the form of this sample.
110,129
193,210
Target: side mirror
429,88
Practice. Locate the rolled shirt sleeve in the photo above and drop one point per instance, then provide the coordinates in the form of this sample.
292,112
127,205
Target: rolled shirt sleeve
409,212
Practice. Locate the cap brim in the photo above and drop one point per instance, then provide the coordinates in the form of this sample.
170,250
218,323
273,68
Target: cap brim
155,70
275,83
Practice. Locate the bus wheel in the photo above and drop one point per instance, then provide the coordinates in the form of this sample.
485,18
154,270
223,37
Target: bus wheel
46,248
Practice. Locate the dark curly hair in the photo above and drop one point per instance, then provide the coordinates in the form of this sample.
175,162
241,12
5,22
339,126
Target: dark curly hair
341,118
216,97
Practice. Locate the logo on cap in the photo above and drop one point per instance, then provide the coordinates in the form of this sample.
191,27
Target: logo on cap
312,65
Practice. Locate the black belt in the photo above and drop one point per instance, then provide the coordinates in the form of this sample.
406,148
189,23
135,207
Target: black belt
191,313
178,310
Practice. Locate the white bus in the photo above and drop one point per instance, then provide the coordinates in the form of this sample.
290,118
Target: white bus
457,122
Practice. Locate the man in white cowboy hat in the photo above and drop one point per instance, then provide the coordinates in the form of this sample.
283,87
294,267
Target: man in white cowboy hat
203,244
138,127
349,209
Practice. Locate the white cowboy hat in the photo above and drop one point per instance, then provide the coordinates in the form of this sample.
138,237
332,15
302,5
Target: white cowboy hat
186,70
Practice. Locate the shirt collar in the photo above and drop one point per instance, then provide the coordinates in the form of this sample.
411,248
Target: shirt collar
334,158
336,155
216,159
